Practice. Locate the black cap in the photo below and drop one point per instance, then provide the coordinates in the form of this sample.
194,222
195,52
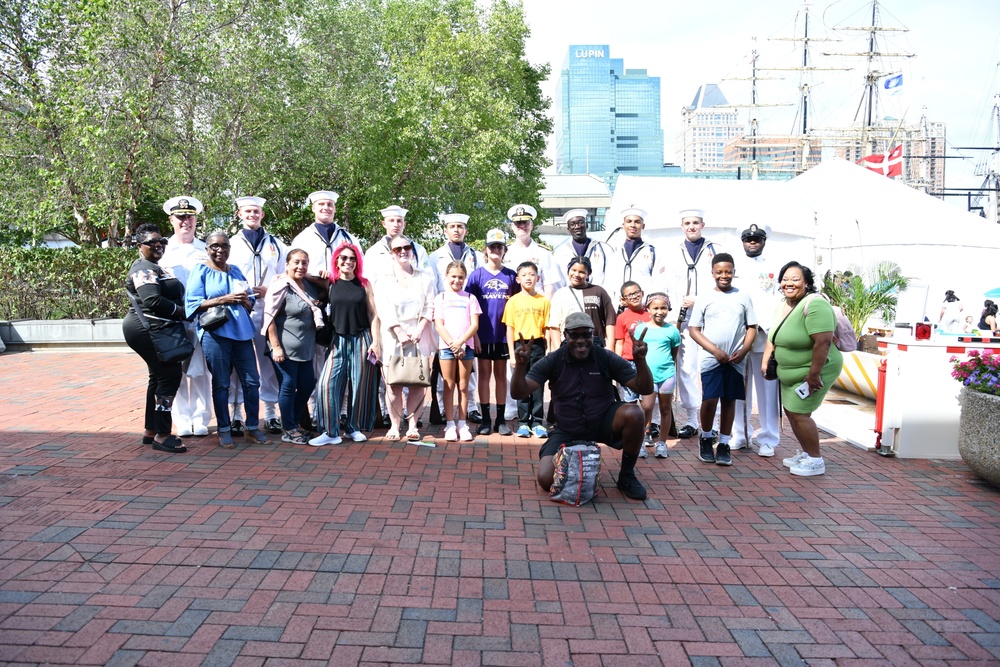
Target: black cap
753,232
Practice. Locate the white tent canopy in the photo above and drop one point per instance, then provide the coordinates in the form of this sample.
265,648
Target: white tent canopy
836,216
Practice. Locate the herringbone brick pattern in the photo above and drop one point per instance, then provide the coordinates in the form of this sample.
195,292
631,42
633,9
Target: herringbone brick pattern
387,553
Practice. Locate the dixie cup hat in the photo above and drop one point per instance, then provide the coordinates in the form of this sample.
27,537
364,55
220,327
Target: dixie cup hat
634,210
394,212
575,213
250,201
692,213
320,195
460,218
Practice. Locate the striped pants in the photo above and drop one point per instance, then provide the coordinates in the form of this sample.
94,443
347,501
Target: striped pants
347,370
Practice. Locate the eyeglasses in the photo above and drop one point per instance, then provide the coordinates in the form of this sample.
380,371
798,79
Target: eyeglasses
580,334
399,250
219,246
632,296
347,258
152,242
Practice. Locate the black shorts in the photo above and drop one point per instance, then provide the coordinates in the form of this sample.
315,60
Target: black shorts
604,434
723,382
494,352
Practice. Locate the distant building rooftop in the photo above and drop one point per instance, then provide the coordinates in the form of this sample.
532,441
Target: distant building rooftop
574,185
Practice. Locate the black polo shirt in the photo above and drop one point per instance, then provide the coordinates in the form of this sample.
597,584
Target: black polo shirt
580,395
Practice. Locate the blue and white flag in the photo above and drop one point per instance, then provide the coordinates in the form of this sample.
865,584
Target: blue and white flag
892,85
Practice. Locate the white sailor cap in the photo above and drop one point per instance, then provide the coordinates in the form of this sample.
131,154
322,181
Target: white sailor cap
692,213
250,201
634,210
320,195
182,205
449,218
394,212
575,213
519,212
495,236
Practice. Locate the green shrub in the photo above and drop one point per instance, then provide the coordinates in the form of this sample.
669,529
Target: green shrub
63,283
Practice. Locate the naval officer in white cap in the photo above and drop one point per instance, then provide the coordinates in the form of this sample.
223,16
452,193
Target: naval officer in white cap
192,409
322,237
692,262
579,244
260,256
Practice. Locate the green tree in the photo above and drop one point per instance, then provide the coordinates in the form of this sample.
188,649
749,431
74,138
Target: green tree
862,293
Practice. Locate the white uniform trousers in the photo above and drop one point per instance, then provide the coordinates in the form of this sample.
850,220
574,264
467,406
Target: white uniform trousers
768,411
192,408
688,387
268,381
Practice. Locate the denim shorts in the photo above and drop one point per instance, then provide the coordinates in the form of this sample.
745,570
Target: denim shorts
447,355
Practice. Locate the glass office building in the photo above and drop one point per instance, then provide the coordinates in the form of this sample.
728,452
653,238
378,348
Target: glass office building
607,117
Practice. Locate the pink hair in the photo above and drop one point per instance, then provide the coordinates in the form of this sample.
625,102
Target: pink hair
335,272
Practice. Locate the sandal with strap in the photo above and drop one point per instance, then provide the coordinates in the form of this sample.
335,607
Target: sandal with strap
392,435
413,435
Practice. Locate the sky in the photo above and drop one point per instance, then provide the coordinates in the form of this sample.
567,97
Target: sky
952,78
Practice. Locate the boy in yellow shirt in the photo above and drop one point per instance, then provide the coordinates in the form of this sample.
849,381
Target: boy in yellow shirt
526,316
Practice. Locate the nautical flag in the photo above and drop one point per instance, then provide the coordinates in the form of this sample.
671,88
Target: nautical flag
892,85
888,164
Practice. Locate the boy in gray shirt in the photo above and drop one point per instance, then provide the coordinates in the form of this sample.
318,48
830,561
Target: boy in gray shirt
724,325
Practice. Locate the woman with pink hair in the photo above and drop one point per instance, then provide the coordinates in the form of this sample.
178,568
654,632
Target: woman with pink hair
350,373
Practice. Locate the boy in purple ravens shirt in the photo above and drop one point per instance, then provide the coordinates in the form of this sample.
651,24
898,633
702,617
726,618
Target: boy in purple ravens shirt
492,284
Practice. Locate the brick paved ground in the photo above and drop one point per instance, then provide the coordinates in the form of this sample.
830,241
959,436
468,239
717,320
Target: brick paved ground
387,553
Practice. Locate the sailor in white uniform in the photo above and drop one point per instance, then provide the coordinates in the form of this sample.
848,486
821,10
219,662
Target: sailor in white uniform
692,275
758,276
260,256
192,409
379,258
579,244
631,258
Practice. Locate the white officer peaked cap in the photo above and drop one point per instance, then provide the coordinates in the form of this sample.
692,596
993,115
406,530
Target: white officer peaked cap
634,210
692,213
519,212
575,213
394,211
182,205
320,195
449,218
250,201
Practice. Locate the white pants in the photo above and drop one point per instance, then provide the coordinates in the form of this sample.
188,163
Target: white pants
268,380
688,387
193,402
768,411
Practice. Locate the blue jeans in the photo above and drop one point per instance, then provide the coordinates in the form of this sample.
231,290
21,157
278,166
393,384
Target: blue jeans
297,379
223,355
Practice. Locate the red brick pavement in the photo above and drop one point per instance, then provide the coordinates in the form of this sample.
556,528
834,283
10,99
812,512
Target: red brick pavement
388,553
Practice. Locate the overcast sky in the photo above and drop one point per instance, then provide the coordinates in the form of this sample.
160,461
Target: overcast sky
953,77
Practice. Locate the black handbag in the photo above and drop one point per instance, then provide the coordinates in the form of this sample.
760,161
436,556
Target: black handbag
214,317
169,337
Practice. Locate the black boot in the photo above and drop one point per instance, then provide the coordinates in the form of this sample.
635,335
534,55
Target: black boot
484,426
627,481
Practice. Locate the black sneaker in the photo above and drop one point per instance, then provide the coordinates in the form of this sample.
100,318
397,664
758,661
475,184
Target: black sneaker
484,428
502,428
386,422
237,430
672,433
630,486
722,456
272,425
706,454
687,432
474,417
654,432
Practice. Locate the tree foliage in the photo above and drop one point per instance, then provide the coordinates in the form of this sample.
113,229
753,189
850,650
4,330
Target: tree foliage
861,293
109,107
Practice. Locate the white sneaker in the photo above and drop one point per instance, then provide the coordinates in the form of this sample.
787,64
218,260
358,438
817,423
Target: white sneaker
765,451
357,436
184,432
465,435
809,467
661,450
733,446
642,451
451,434
792,461
200,430
325,439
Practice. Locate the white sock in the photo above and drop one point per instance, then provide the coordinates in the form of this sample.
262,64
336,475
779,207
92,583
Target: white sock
724,439
270,411
238,412
450,424
461,424
708,434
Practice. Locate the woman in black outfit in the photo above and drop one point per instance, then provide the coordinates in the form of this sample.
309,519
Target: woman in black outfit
161,297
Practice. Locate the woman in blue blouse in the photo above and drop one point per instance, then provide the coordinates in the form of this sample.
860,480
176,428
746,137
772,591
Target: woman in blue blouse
216,283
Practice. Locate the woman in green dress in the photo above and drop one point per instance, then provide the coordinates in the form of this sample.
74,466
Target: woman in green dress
807,358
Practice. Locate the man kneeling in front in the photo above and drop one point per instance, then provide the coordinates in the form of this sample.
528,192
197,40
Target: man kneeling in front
581,378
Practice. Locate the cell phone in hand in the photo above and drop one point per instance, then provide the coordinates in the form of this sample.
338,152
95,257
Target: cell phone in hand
372,359
803,390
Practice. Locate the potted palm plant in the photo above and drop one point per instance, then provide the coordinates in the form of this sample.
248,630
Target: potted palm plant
863,293
979,424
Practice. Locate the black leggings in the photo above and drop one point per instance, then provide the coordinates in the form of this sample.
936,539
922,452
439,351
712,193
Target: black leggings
164,379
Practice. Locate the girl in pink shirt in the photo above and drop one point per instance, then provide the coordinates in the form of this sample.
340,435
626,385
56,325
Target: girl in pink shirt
456,318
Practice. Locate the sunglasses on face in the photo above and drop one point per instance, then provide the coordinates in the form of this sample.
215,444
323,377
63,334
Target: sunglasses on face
584,334
348,258
399,250
219,246
154,242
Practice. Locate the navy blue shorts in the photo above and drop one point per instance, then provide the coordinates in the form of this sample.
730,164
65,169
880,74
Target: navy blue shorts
723,382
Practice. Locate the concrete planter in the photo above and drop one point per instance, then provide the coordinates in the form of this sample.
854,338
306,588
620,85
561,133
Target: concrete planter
979,434
20,334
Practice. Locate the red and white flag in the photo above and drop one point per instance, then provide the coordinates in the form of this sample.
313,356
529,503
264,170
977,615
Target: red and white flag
888,164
